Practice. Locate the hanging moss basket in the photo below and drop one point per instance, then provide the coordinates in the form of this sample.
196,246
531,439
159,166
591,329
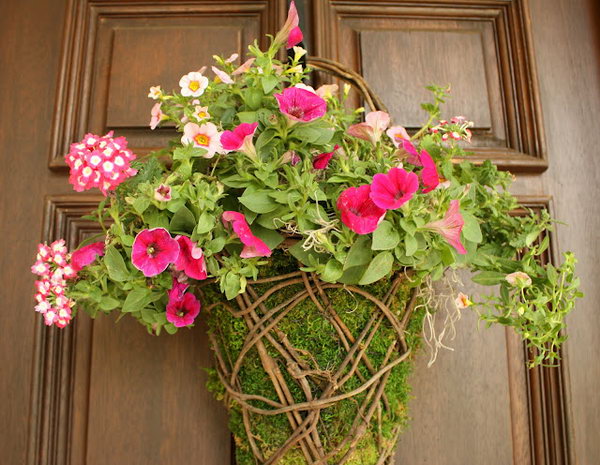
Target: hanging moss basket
313,372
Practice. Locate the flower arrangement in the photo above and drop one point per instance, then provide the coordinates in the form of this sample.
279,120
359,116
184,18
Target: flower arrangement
273,178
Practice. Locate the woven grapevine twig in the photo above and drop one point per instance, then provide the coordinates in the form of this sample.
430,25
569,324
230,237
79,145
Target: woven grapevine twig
303,417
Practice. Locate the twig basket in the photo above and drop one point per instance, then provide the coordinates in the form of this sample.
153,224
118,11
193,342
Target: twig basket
315,372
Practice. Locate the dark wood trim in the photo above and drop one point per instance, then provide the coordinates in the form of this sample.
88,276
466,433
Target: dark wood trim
548,396
53,394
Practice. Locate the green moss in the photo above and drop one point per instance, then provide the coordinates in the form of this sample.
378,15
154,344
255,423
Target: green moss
311,332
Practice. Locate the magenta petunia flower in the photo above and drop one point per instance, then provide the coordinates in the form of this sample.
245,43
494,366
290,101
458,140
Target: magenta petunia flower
182,308
154,250
358,211
321,161
429,174
253,246
414,158
392,190
191,259
294,38
300,104
240,139
86,255
450,226
371,130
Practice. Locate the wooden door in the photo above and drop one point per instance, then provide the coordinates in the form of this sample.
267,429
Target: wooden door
99,393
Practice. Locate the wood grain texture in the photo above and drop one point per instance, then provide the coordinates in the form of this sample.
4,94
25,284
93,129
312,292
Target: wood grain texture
569,76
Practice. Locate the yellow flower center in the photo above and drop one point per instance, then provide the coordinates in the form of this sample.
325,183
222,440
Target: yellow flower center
194,85
201,114
201,139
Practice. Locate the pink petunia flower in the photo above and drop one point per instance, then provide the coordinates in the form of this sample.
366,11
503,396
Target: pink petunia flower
153,250
86,255
193,84
371,130
321,161
429,174
244,67
327,90
398,134
240,139
162,193
191,259
462,301
301,105
450,226
156,116
222,75
392,190
102,162
290,32
358,211
232,58
182,308
205,136
253,246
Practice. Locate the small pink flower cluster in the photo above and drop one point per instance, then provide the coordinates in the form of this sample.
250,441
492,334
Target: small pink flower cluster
457,129
54,268
99,161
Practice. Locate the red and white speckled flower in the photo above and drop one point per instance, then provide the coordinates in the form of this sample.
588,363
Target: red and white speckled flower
99,161
54,267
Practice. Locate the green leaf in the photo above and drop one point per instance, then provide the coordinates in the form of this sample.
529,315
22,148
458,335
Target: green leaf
268,236
108,303
304,256
253,98
247,116
140,204
136,299
188,151
411,245
379,267
488,278
360,253
385,236
206,223
471,229
333,271
352,275
264,138
117,270
216,245
231,285
258,201
183,221
269,83
156,219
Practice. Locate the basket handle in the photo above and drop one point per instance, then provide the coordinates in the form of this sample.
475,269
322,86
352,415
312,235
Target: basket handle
352,77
